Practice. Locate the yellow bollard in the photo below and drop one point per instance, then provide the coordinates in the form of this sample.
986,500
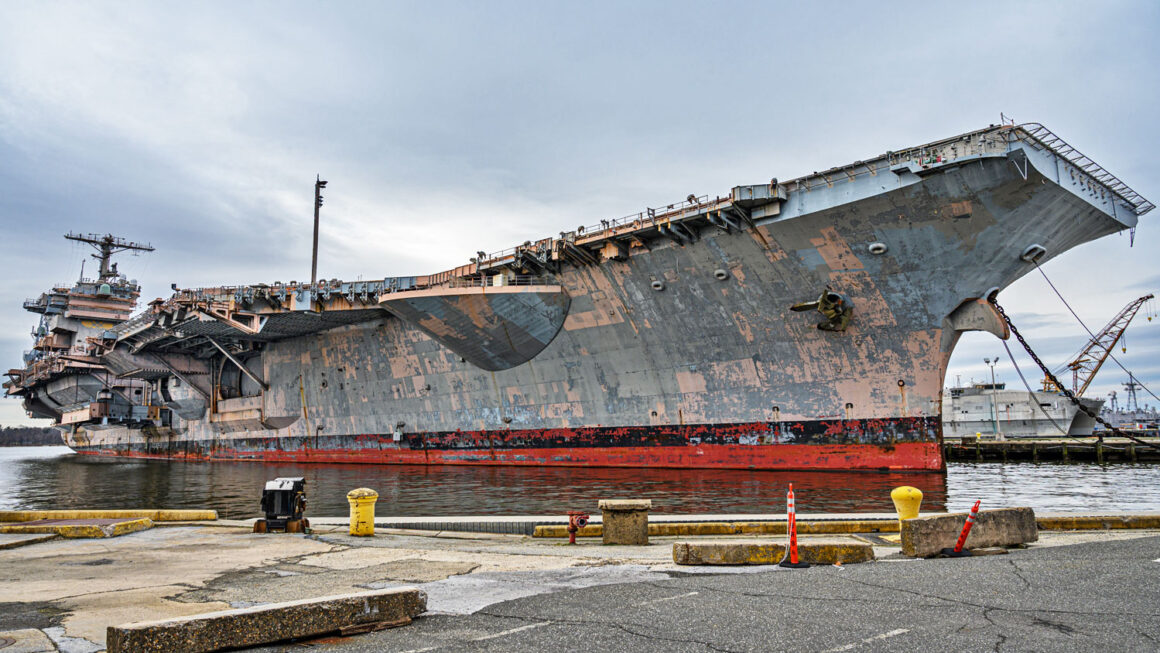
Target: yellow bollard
906,501
362,511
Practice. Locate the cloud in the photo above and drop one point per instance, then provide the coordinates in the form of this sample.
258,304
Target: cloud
444,129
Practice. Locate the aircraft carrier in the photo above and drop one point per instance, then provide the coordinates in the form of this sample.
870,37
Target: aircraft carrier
801,324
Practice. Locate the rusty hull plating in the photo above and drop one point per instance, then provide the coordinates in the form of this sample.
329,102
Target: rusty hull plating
665,338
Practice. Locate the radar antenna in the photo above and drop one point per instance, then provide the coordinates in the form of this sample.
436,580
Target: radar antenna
107,245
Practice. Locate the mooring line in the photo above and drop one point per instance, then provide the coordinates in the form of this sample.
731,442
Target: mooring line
1089,331
1051,377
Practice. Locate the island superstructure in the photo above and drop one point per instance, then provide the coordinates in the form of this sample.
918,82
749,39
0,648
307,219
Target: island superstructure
803,324
63,361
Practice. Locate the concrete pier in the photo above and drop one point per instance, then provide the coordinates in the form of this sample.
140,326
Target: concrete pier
1045,450
73,590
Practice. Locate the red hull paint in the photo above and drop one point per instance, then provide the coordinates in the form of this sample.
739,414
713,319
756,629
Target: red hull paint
907,456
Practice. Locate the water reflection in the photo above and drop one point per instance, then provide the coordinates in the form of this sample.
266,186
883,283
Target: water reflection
52,477
72,481
1055,486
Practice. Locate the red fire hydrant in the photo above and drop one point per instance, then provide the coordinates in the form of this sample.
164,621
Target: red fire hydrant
577,519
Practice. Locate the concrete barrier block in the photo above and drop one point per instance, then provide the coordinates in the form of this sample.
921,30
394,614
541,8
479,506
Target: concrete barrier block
923,537
625,521
265,624
763,552
625,504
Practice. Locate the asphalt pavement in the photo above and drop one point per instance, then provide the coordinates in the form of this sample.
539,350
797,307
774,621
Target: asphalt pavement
1096,596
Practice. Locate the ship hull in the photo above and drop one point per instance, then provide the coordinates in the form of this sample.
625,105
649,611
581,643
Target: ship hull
670,348
907,445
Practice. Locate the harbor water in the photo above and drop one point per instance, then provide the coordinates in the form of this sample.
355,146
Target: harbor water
54,477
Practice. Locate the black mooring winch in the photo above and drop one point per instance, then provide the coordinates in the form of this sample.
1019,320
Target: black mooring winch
284,502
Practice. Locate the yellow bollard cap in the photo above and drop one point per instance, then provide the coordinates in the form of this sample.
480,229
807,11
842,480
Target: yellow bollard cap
362,493
906,492
906,501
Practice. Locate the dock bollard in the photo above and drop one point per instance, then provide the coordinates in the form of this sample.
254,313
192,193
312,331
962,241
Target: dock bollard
958,551
791,559
362,511
907,500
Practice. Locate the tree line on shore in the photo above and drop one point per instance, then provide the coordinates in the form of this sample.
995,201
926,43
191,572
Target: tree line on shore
28,436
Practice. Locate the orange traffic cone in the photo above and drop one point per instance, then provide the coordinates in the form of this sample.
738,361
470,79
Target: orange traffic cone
791,560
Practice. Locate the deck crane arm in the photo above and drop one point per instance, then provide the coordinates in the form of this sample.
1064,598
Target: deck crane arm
1085,365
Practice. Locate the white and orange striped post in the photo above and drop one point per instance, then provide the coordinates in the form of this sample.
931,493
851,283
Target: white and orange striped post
791,561
958,552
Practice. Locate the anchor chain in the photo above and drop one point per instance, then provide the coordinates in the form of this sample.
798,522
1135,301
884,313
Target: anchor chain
1067,393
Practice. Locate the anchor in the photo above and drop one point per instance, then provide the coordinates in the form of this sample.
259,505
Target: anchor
836,307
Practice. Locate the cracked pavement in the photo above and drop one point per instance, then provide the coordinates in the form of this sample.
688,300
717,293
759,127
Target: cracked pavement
1097,595
72,590
1079,591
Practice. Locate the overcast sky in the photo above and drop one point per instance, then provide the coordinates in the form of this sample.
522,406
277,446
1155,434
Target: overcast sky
446,128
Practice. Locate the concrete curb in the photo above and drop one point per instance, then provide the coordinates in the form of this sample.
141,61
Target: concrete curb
760,552
215,631
81,530
16,540
680,529
1097,522
134,513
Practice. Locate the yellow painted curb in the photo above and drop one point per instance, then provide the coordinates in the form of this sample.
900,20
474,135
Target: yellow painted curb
132,513
751,552
82,530
126,527
846,526
1097,523
674,529
594,530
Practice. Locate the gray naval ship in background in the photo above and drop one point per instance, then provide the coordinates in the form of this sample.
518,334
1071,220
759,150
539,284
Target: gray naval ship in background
993,410
667,338
1131,414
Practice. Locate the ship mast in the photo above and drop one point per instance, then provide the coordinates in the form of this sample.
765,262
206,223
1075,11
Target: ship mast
107,245
1132,406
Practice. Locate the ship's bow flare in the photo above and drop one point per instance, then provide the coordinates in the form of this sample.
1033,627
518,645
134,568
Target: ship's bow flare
972,315
493,328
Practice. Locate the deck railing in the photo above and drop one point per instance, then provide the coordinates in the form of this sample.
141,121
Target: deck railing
1045,137
511,280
